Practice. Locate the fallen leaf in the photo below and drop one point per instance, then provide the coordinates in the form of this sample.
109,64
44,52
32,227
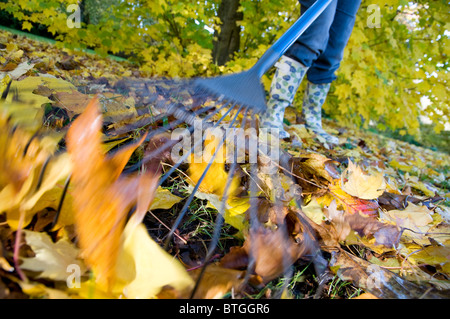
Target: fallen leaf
117,108
349,203
216,178
217,281
20,70
47,195
272,250
38,290
73,102
358,184
342,223
52,259
25,88
144,268
378,281
314,211
366,295
416,220
164,199
23,159
431,255
235,208
316,164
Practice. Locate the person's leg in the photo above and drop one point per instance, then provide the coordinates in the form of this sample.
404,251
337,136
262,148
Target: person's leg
315,95
292,67
322,71
326,64
288,76
313,42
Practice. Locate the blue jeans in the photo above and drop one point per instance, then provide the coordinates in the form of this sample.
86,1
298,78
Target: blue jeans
321,46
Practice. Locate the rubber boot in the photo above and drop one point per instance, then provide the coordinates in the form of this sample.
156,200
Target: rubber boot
313,100
287,79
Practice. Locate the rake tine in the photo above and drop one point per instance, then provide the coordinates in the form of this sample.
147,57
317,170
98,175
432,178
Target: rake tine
6,91
191,196
159,150
287,269
25,149
253,214
219,220
185,156
275,177
61,201
309,238
42,172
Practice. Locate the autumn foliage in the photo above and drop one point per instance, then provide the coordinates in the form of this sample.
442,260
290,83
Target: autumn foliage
84,212
397,53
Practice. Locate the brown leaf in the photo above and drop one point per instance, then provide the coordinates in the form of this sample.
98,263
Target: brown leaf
102,198
365,295
217,281
74,102
158,150
378,281
341,223
237,258
68,63
385,234
273,250
317,164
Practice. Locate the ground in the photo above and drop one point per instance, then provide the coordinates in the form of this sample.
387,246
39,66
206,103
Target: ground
377,208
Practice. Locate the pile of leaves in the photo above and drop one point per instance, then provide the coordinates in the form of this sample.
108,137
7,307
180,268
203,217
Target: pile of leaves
371,213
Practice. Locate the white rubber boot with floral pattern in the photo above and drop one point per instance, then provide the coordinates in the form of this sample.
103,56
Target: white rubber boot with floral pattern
313,100
287,79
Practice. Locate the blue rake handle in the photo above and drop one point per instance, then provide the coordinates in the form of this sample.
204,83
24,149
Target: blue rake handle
271,56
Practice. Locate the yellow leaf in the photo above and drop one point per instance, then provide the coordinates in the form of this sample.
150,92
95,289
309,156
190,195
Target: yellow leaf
38,290
314,211
432,255
235,212
22,161
25,88
17,55
343,91
235,208
96,177
26,26
145,268
361,185
403,167
215,179
52,259
414,217
164,199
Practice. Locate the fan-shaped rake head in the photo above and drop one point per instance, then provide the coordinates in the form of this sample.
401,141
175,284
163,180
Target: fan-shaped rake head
243,88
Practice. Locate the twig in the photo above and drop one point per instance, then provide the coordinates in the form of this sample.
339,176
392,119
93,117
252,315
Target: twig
17,246
199,266
161,222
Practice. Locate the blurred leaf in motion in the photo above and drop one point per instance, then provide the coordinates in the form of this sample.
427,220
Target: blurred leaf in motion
144,268
102,198
28,171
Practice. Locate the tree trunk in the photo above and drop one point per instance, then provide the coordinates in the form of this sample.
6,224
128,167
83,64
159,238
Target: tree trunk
226,42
